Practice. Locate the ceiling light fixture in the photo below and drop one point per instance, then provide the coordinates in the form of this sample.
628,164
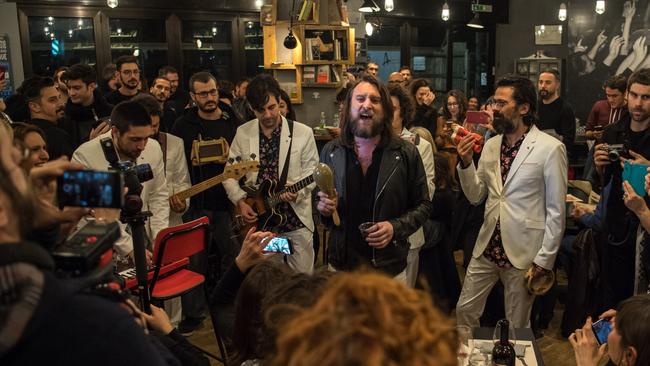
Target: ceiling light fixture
369,6
370,29
389,5
290,41
600,6
111,3
258,3
475,22
562,12
445,11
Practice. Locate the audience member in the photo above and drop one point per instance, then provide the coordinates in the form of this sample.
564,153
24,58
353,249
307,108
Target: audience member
406,74
554,112
110,80
179,99
59,82
473,103
286,107
368,319
627,343
402,113
241,107
373,69
32,139
161,90
47,110
87,108
129,73
425,114
453,113
395,78
610,110
394,207
524,213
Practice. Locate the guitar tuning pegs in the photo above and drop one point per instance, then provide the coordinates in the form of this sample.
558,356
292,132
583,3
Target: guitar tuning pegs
238,159
253,156
231,160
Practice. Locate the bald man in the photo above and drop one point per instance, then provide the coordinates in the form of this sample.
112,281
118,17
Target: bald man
395,78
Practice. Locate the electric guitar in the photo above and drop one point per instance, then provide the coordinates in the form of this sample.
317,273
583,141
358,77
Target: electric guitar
234,171
264,200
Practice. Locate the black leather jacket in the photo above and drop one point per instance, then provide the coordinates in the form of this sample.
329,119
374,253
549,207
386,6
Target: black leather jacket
401,197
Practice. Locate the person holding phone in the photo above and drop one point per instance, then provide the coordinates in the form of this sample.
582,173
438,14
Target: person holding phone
610,110
627,342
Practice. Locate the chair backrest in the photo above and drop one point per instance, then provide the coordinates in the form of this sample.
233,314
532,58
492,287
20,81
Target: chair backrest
182,241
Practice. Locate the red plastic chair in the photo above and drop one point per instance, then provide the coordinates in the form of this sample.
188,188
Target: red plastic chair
173,248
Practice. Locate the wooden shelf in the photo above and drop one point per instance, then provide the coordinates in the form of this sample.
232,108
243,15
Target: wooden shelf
321,85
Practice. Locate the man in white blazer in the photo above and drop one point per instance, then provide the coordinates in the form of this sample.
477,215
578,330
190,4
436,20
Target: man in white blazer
268,138
522,173
130,131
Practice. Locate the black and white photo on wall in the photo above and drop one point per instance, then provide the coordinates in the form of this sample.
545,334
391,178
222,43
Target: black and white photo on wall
602,45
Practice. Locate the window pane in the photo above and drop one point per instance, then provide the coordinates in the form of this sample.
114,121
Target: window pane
384,50
254,49
207,46
56,41
429,55
470,70
144,38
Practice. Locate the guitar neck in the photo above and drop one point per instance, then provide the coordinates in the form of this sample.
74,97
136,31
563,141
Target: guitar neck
299,185
200,187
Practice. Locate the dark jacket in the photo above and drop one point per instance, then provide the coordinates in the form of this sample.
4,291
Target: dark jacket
401,197
427,117
58,141
85,118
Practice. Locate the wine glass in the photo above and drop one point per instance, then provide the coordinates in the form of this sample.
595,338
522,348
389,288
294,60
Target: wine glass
465,344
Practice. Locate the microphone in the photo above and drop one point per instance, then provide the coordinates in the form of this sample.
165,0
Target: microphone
325,181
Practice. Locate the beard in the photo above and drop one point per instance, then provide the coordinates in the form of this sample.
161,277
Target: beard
208,107
502,125
639,115
367,132
544,94
131,83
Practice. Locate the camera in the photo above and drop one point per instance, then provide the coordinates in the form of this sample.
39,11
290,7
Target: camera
133,174
87,249
616,151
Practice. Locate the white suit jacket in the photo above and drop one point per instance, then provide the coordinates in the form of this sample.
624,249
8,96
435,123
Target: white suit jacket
154,192
303,160
176,174
417,239
531,202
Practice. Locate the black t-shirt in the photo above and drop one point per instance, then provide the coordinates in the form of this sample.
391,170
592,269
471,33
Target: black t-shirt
214,198
115,97
360,196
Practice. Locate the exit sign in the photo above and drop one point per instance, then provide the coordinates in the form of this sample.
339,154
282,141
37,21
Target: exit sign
481,8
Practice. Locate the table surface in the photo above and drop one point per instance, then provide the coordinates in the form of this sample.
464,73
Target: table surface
523,334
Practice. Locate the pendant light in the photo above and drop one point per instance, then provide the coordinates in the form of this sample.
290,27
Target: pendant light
111,3
389,5
600,6
475,22
561,15
445,12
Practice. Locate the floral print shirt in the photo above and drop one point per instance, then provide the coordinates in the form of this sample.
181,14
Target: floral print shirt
494,250
270,169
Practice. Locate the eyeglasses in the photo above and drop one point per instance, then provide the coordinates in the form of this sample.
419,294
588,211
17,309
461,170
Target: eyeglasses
499,103
131,72
204,94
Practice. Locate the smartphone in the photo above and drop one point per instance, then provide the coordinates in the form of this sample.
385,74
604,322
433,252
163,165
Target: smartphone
90,188
601,329
635,175
598,128
279,244
476,117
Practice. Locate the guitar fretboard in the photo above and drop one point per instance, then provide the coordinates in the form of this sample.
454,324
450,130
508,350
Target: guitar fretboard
275,199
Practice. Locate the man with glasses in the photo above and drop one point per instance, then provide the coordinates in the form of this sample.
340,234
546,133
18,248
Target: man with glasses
178,98
522,173
129,73
206,121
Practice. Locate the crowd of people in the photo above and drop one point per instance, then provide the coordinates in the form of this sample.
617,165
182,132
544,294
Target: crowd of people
411,183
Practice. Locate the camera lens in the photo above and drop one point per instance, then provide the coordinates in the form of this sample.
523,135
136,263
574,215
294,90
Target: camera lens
613,155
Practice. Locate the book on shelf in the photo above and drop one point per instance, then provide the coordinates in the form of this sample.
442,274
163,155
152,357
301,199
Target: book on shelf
323,74
306,10
309,55
337,49
309,74
337,76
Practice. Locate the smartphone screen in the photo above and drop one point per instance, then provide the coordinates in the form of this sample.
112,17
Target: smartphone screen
476,117
90,188
601,329
635,175
279,245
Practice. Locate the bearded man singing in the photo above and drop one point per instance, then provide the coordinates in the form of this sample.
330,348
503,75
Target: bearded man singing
380,181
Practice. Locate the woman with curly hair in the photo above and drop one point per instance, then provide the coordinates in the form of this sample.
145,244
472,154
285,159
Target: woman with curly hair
368,319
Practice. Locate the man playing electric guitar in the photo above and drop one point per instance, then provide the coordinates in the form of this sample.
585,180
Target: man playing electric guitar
287,153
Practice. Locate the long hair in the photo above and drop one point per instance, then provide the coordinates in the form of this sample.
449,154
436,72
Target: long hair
406,103
291,114
22,204
461,99
248,324
387,134
633,324
368,319
417,84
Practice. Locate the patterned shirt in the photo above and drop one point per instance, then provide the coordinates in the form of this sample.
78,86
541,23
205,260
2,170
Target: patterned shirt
270,169
494,250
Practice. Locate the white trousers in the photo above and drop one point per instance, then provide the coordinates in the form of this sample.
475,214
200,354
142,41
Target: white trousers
482,275
412,266
302,259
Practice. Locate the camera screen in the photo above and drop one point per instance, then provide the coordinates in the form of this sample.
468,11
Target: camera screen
278,245
601,330
90,188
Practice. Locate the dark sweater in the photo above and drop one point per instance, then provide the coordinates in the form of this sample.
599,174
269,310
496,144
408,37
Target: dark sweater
115,97
84,118
558,116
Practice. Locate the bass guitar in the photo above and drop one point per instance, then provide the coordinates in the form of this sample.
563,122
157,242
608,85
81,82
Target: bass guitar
234,171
